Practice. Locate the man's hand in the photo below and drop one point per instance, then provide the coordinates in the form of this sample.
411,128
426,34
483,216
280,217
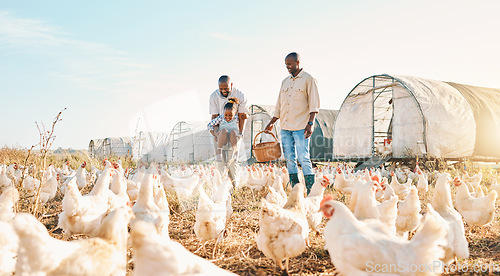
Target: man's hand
308,131
269,128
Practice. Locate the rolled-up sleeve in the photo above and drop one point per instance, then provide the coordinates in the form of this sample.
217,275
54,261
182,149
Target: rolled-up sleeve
313,95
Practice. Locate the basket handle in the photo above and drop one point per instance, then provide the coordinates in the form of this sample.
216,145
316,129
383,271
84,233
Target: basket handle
257,135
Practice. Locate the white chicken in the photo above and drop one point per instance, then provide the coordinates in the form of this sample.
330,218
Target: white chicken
342,184
366,206
475,211
8,200
183,187
277,194
30,184
40,254
8,238
212,214
423,183
49,188
409,216
257,179
155,255
478,192
4,179
356,248
401,190
472,181
283,172
83,214
133,189
119,187
457,245
385,192
242,178
161,201
139,174
65,170
14,171
145,208
312,202
81,176
8,248
283,231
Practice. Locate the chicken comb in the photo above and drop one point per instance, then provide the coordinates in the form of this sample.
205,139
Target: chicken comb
375,178
327,197
392,173
326,181
130,204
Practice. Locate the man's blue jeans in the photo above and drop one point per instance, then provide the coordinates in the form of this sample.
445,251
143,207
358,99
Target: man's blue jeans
295,144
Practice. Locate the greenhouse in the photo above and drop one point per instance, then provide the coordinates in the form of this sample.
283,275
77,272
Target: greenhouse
405,117
189,142
118,146
321,143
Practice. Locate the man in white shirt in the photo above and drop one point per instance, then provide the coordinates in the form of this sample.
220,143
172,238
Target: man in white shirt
217,101
220,97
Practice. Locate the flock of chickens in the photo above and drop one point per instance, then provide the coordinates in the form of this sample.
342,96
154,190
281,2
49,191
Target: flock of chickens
382,224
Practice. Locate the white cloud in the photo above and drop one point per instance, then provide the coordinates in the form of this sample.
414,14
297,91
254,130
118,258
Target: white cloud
87,64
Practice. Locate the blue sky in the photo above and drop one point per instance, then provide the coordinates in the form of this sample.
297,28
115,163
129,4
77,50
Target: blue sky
112,62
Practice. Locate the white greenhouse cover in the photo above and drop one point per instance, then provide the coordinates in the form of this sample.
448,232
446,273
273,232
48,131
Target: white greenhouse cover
150,146
425,117
190,142
111,146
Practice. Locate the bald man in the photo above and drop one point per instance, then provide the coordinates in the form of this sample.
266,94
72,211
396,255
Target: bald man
296,107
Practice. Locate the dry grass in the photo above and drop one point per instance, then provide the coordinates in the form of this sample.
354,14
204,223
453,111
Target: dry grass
10,156
238,252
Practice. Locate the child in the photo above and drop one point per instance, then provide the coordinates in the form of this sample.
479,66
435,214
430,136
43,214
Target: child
228,130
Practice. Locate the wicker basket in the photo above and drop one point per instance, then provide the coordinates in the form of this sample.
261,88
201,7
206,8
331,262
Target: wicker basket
266,151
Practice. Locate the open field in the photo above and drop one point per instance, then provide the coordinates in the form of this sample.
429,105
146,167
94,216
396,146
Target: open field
238,251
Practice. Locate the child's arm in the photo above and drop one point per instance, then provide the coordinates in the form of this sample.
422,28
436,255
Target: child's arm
213,126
